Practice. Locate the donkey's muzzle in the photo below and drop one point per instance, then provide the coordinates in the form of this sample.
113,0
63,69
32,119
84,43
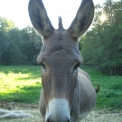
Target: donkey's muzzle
58,111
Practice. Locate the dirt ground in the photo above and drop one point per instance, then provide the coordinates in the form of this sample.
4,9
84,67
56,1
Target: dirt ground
95,116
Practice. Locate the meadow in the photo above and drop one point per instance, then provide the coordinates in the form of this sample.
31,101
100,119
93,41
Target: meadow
22,84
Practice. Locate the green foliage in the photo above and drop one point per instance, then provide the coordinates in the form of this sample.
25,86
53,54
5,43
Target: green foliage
6,25
102,46
18,47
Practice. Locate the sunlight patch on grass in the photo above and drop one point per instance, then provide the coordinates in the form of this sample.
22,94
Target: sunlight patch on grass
20,84
12,82
12,76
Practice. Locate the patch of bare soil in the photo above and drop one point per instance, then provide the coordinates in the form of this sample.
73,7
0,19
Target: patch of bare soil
95,116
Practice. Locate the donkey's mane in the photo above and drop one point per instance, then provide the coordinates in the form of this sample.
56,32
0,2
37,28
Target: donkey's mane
60,25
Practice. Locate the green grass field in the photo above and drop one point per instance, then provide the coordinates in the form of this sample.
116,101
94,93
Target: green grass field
110,95
20,83
23,84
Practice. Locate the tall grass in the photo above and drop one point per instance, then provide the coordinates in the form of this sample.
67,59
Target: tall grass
23,84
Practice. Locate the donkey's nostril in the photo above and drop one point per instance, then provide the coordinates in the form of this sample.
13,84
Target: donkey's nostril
68,121
49,120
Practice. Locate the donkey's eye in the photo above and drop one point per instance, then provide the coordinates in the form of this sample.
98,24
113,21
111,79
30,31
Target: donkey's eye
43,65
76,67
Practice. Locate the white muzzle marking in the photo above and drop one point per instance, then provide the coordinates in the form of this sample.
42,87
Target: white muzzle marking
58,111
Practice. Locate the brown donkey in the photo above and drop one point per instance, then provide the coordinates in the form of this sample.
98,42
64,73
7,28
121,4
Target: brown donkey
67,93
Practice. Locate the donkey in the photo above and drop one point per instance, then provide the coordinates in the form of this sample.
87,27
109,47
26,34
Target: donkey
67,93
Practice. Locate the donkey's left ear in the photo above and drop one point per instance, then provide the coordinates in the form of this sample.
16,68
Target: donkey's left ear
39,18
83,19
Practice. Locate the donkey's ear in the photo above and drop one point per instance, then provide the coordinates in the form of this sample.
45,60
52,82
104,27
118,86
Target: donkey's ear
39,18
83,19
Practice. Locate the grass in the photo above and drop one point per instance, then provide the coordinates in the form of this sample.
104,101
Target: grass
20,84
23,84
110,95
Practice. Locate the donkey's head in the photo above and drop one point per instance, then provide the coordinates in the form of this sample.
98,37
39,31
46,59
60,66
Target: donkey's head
59,57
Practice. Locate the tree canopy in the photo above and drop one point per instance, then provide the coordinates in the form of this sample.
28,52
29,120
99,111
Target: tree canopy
102,45
18,47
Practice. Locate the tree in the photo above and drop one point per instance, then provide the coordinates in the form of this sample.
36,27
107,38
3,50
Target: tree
18,47
102,45
5,27
31,44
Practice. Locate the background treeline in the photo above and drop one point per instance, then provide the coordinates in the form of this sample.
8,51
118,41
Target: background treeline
102,45
18,47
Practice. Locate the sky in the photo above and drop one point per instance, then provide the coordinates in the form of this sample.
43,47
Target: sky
17,11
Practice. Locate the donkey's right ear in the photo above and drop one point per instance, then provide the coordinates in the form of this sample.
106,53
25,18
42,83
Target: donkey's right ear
39,18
